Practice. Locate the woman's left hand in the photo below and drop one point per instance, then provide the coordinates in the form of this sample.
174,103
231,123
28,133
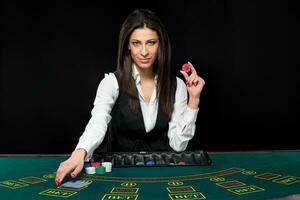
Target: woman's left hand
194,83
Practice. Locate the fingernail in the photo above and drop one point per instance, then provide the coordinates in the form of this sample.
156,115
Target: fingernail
73,175
57,182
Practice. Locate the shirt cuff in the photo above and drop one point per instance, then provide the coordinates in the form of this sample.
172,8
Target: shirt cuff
191,115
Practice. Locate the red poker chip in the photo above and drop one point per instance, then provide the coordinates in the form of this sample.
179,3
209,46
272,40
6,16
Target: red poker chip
186,67
181,163
95,164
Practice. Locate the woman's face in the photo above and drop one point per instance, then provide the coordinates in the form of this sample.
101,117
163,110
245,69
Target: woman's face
143,45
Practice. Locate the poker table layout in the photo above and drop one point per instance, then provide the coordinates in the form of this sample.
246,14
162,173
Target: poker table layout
232,175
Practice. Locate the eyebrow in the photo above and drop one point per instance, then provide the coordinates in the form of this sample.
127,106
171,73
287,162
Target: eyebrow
146,41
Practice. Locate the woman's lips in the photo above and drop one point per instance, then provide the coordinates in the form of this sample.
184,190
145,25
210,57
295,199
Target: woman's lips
145,61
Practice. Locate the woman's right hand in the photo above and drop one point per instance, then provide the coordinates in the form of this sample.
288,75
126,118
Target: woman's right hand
72,166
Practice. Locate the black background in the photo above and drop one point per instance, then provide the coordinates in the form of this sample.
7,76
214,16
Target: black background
54,54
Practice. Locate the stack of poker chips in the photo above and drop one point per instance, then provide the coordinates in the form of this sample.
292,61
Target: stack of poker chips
97,167
107,165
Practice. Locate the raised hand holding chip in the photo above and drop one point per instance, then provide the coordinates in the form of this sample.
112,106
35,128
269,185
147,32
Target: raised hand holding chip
194,84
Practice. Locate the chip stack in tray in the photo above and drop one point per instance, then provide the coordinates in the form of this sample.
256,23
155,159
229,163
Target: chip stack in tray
159,158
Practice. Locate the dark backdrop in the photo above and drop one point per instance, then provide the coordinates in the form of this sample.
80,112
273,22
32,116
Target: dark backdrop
54,54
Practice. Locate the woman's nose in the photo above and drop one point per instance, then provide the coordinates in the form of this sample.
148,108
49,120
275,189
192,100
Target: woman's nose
144,51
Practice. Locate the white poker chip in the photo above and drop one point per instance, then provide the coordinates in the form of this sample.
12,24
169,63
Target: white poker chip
90,170
107,165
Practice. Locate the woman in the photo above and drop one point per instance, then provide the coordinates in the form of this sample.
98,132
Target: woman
142,106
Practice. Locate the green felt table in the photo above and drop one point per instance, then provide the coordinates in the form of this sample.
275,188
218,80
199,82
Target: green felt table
247,175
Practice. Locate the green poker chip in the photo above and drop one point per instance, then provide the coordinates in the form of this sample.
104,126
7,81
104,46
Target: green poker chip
140,163
100,170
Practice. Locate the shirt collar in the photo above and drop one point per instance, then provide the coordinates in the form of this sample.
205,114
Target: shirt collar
136,75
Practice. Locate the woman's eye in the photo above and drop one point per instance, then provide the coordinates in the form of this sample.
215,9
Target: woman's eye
152,42
135,43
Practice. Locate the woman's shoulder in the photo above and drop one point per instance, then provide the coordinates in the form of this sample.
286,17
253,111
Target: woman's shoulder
110,77
109,80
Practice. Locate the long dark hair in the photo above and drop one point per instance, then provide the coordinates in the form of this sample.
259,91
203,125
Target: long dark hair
138,19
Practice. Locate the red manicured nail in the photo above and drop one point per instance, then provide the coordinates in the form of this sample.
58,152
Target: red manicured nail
57,182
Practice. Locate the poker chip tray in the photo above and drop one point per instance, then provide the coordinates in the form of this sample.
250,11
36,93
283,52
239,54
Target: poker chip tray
130,159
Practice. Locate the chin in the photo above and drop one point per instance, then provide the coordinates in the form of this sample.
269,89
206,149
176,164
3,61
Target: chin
145,65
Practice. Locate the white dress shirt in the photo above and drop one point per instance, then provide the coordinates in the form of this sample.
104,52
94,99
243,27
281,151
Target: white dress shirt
181,126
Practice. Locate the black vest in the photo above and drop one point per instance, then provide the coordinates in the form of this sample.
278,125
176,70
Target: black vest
126,130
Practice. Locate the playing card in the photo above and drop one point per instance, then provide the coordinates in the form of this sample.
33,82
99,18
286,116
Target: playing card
74,184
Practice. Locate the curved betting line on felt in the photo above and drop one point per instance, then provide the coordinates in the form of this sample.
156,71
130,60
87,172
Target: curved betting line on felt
229,171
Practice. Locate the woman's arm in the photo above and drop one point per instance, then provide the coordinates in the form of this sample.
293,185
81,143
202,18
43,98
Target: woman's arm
183,122
95,130
107,94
